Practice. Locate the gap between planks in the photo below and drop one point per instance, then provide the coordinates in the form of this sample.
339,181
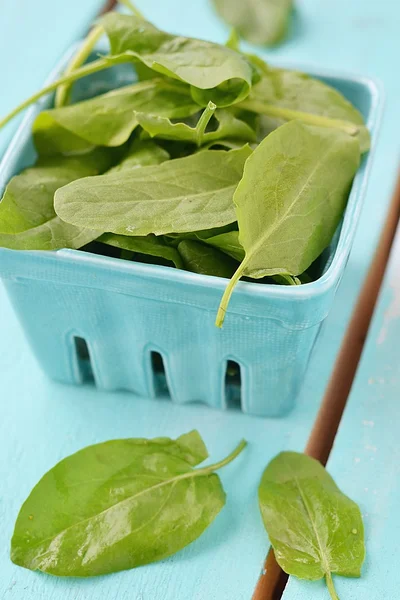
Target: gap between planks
273,580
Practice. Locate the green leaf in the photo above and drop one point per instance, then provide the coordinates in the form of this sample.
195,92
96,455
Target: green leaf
163,128
150,245
109,119
206,260
314,528
118,505
281,90
224,238
263,22
27,217
228,127
185,194
233,42
227,242
214,72
290,200
141,153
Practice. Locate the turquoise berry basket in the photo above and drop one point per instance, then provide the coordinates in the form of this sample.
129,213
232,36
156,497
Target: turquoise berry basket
101,318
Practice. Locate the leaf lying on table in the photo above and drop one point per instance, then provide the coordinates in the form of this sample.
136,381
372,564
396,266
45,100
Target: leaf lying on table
290,200
109,119
27,217
150,245
185,194
206,260
263,22
214,72
118,505
287,89
314,528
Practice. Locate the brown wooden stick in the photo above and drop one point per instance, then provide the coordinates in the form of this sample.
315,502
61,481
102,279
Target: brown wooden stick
329,416
108,6
272,582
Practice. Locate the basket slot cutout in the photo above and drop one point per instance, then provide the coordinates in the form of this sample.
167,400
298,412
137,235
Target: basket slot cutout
160,381
233,385
83,360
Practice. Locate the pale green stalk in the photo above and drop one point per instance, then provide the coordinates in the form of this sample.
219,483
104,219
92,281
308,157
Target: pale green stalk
130,6
228,293
93,67
204,121
331,587
63,92
288,114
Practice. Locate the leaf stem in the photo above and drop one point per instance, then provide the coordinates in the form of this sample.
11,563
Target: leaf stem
289,115
63,92
228,293
93,67
130,6
203,122
331,587
222,463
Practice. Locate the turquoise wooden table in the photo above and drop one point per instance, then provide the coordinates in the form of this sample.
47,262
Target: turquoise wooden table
43,422
366,456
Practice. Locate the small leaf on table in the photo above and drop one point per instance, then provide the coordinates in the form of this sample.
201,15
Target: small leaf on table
314,528
118,505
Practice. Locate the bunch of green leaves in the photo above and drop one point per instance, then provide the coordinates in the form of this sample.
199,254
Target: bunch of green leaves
210,160
129,502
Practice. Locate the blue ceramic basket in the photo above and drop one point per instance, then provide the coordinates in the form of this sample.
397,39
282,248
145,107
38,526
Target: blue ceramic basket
94,317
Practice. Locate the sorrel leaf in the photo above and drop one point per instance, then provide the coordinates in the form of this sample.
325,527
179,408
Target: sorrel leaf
283,90
228,127
118,505
141,153
150,245
214,72
185,194
263,22
109,119
27,217
206,260
290,200
314,528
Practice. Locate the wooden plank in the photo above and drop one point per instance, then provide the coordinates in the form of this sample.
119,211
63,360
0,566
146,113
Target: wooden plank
43,421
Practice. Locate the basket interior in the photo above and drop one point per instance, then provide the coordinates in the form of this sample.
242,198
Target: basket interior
355,90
